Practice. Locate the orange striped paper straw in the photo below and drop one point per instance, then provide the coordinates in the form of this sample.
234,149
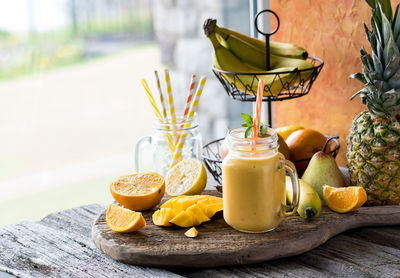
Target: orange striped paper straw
192,110
188,102
257,116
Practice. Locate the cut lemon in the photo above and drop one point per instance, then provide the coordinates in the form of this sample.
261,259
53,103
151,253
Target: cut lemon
138,191
344,199
187,177
124,220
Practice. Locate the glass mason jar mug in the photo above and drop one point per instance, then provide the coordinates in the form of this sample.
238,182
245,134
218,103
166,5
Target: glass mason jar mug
254,183
162,142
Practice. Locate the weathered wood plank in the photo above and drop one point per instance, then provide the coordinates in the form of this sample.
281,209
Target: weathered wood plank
60,245
220,245
386,236
343,256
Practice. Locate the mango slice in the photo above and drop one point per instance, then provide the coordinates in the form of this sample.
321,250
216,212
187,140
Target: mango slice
197,214
210,207
183,220
188,211
182,204
162,217
191,232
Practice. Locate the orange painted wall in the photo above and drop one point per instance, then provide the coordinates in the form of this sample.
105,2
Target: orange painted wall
333,31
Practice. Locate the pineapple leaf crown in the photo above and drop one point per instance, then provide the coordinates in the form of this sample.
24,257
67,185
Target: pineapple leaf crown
381,69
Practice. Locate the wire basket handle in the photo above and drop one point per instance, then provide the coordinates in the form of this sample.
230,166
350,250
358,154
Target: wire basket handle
267,35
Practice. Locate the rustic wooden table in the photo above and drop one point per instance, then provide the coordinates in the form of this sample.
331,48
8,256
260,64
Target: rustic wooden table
60,245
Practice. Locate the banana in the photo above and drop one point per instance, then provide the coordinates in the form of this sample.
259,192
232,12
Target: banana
225,60
253,56
277,48
309,204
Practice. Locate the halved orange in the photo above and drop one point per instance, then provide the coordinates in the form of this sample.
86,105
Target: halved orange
124,220
344,199
138,191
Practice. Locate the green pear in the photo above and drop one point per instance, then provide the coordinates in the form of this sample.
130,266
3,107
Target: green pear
322,170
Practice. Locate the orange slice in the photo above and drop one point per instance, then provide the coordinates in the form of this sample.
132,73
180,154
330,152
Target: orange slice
138,191
344,199
124,220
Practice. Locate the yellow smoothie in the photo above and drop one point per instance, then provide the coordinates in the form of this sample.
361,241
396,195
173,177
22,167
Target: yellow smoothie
253,191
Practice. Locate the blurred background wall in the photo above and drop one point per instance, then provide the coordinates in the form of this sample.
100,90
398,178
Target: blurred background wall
186,50
333,31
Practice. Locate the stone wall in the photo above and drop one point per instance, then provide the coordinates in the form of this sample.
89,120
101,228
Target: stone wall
185,51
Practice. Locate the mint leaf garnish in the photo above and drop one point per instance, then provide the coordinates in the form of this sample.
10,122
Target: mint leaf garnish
263,129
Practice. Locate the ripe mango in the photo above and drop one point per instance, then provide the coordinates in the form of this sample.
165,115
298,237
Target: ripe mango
186,211
191,232
197,214
183,219
162,217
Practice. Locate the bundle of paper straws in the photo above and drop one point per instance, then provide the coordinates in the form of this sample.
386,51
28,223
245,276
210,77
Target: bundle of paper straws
175,142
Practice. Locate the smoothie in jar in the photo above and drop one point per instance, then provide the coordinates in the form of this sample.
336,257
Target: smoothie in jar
253,180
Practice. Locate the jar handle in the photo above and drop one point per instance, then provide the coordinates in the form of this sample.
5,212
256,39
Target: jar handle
291,169
139,144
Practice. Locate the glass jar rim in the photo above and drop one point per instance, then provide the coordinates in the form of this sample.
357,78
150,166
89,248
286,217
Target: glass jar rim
237,142
180,123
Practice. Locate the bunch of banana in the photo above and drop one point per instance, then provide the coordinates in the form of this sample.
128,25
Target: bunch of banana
236,52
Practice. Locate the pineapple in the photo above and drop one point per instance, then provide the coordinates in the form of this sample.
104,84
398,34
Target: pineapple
373,144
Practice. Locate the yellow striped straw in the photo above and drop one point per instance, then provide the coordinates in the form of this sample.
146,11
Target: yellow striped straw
164,110
170,100
157,113
193,108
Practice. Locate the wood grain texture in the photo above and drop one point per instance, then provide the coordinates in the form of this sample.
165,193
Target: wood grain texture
220,245
28,250
60,246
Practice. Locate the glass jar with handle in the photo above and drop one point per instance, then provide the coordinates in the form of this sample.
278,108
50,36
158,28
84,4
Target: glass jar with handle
155,152
254,183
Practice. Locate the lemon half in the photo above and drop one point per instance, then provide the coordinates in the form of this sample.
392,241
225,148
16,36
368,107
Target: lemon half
187,177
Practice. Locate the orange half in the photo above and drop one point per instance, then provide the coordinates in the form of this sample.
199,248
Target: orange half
124,220
344,199
138,191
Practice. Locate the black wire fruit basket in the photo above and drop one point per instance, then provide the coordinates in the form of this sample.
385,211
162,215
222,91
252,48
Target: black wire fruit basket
212,155
281,85
299,83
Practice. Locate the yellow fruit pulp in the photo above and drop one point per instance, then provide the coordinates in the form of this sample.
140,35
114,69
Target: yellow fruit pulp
138,191
187,177
122,220
187,211
344,199
163,216
191,232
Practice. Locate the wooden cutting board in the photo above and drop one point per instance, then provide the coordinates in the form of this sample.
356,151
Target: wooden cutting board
219,245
